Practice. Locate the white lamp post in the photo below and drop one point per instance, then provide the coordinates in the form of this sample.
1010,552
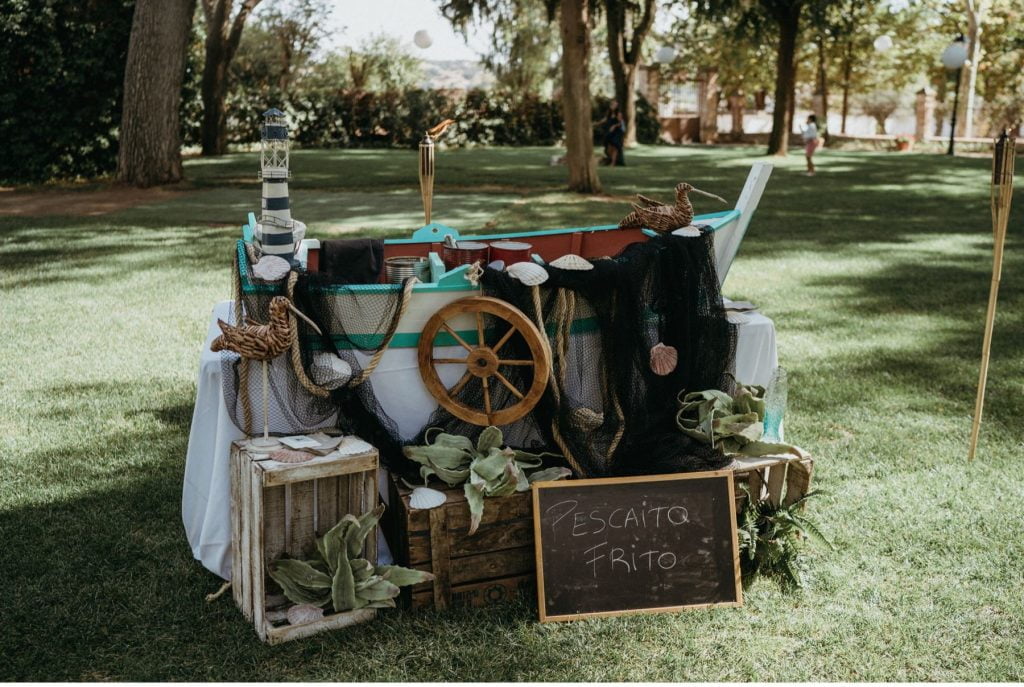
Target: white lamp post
954,57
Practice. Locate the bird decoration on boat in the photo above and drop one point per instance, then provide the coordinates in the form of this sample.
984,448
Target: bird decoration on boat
662,218
261,341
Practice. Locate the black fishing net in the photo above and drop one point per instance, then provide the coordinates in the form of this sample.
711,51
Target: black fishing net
604,409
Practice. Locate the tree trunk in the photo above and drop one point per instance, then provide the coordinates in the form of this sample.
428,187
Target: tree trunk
624,56
708,106
737,102
969,75
212,88
579,132
223,34
847,74
150,139
788,20
822,89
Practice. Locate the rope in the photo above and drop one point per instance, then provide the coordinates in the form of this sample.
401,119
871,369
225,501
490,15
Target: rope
217,594
553,382
243,363
296,351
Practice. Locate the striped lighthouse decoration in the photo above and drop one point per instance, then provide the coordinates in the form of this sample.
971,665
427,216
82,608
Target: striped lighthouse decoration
275,233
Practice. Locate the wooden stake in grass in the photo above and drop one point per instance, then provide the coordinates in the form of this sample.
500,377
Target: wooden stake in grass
1002,193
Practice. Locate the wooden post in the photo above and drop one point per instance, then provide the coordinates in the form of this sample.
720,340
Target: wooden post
1002,193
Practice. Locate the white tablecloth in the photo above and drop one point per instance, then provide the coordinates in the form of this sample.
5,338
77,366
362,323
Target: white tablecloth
206,494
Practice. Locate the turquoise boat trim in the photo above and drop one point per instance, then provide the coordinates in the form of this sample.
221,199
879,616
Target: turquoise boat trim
412,339
452,280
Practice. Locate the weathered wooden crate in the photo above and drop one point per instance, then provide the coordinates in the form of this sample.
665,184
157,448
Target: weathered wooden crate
494,564
497,562
279,509
777,479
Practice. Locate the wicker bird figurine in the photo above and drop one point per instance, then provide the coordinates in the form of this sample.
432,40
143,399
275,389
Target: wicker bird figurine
663,218
261,341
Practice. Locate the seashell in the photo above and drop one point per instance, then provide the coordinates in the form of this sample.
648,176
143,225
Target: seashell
688,231
304,613
663,359
271,268
425,498
572,262
497,265
287,455
329,371
353,445
530,273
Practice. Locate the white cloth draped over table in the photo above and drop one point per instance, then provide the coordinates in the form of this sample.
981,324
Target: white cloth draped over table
206,494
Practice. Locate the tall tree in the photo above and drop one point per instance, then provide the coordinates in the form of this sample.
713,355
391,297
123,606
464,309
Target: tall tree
521,48
150,148
628,24
223,34
976,11
575,24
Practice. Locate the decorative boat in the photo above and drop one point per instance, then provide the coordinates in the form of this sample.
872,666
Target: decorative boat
409,398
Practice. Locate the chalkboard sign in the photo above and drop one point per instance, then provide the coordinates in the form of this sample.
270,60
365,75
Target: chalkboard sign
635,544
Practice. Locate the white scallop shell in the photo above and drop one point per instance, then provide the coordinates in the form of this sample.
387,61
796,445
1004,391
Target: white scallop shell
572,262
271,268
497,265
304,613
329,371
287,455
663,359
530,273
689,231
425,498
353,445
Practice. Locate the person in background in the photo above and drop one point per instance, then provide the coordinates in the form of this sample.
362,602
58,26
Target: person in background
614,135
811,142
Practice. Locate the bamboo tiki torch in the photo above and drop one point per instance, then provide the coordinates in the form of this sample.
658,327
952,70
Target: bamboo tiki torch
427,166
1002,193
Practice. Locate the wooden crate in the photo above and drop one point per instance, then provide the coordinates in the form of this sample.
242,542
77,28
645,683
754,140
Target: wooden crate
494,564
777,479
497,562
279,509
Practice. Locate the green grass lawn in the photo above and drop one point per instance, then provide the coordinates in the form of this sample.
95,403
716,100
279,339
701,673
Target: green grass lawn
876,273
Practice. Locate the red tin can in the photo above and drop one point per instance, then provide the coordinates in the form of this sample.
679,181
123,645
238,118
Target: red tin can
511,252
466,253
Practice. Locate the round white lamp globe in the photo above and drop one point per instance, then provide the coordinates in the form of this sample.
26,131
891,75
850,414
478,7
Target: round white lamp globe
883,43
955,56
422,39
665,54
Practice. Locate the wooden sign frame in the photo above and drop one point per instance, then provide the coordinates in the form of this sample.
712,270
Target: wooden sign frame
606,481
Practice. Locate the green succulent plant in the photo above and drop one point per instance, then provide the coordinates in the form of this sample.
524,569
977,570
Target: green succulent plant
771,539
484,469
734,423
337,577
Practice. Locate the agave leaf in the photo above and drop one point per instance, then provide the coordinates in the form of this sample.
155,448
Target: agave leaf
764,448
491,466
293,591
368,582
302,573
361,569
475,499
343,587
403,577
452,477
550,474
488,439
436,456
383,603
334,539
453,441
355,535
380,590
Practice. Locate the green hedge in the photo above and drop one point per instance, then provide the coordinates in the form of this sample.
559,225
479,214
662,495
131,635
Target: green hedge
61,79
398,119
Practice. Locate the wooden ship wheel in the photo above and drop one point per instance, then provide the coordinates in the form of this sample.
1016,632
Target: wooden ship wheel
483,363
